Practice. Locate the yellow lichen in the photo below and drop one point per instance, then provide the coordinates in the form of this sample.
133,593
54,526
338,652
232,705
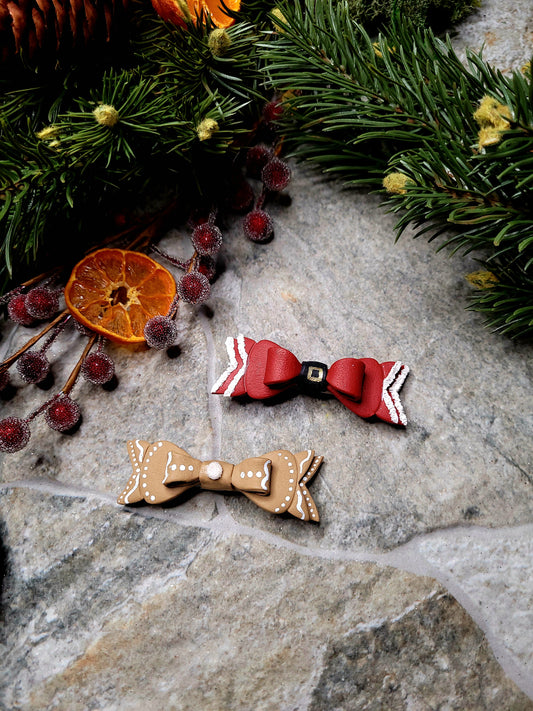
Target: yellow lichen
482,279
276,12
396,183
489,137
206,129
493,118
106,115
48,133
219,42
492,113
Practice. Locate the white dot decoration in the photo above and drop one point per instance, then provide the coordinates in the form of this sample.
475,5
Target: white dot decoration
283,504
144,476
276,509
258,475
152,498
290,488
182,467
174,467
287,498
191,468
291,481
145,485
243,475
250,474
214,470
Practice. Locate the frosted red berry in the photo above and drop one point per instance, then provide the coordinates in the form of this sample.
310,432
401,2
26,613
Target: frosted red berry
256,159
62,414
18,312
33,366
207,266
98,368
276,175
272,111
14,434
207,238
42,302
160,332
257,226
194,288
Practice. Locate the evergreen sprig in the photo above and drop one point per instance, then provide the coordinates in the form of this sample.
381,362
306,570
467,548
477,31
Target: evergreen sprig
83,141
456,140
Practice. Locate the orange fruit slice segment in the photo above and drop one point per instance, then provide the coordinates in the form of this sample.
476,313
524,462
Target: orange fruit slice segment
216,10
115,292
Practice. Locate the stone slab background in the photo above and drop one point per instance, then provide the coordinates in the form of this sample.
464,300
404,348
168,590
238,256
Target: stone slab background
414,592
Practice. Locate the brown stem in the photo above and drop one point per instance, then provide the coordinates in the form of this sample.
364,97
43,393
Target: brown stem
67,387
192,263
40,277
9,361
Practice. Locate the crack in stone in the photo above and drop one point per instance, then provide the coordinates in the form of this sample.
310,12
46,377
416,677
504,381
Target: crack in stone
215,406
528,477
407,557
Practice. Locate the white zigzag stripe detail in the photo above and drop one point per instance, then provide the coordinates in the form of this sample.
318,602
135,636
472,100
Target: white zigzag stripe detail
391,386
244,355
231,345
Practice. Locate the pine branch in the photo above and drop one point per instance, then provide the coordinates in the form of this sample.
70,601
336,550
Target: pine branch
454,139
76,141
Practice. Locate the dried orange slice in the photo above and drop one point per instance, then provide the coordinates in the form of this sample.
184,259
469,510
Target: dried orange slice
115,292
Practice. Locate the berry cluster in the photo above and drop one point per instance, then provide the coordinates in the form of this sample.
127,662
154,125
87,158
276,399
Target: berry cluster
263,164
61,412
29,304
194,287
38,304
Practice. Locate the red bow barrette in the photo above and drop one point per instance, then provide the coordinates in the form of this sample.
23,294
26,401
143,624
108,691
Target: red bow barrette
263,369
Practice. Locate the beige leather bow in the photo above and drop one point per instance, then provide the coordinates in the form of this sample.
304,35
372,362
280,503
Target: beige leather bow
276,481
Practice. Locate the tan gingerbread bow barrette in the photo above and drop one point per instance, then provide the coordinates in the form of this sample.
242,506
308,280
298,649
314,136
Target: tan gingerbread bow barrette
276,481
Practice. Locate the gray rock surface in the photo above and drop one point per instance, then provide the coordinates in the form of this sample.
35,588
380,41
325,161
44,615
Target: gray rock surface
413,592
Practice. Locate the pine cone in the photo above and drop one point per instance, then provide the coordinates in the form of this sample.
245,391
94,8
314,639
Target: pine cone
41,29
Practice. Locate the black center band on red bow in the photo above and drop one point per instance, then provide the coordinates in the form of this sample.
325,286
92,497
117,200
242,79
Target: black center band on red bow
312,378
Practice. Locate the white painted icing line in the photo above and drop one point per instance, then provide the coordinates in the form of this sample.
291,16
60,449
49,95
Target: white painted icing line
266,469
309,453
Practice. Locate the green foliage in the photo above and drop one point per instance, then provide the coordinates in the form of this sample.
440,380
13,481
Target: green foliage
436,13
406,105
63,163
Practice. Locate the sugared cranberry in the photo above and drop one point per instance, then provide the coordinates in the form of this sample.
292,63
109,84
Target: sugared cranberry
207,239
18,312
14,434
276,175
257,226
62,414
33,366
194,288
42,302
160,332
98,368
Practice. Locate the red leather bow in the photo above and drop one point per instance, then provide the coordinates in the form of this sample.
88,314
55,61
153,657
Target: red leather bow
263,369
